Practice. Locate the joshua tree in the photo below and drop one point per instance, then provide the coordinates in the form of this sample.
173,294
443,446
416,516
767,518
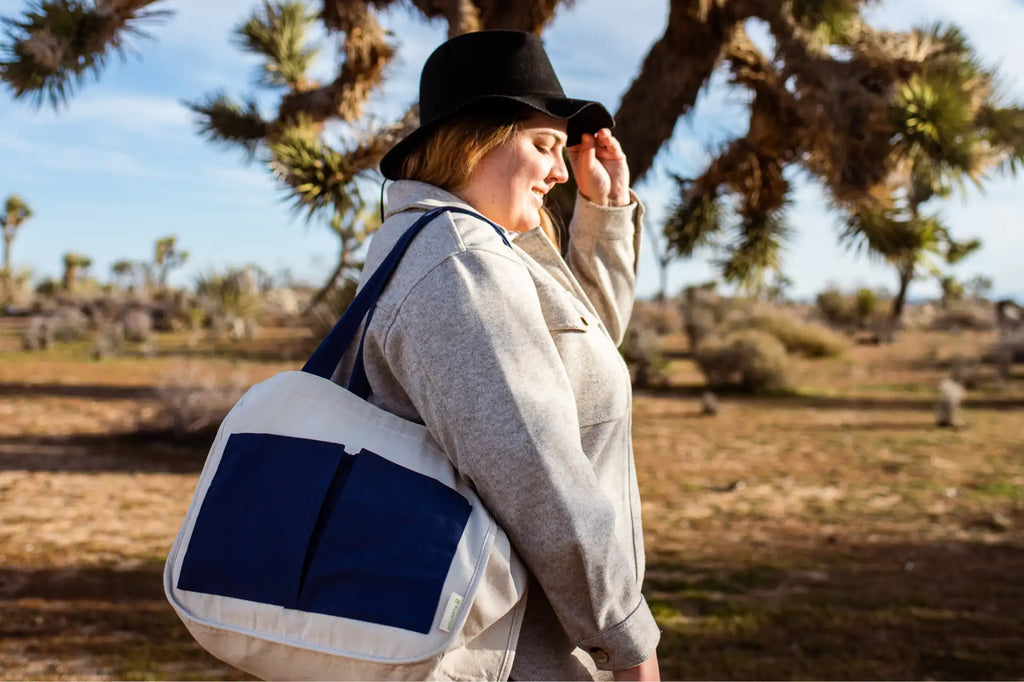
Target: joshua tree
73,264
16,212
167,257
124,271
947,127
855,108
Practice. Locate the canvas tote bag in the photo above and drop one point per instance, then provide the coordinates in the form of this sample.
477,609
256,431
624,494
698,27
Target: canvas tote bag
329,539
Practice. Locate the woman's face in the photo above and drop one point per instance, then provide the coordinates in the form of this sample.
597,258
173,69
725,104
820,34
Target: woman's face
509,183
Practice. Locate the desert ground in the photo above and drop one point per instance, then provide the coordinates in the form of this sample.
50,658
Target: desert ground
829,531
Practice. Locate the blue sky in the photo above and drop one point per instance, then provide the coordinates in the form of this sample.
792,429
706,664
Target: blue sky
122,164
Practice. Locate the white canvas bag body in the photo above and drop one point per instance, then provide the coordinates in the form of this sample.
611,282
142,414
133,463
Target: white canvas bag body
329,539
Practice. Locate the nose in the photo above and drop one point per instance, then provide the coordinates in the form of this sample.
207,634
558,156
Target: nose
559,173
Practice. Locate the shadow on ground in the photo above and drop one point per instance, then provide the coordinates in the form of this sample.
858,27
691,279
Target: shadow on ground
96,623
913,611
909,611
139,451
91,391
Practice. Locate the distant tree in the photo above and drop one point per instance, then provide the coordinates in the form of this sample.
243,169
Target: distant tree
952,290
167,257
74,263
124,272
947,128
777,289
978,287
16,212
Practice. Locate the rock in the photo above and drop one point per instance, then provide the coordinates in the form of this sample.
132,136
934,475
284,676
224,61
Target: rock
709,404
951,394
138,326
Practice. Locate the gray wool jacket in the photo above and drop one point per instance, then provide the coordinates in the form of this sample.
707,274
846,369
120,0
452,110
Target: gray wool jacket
509,357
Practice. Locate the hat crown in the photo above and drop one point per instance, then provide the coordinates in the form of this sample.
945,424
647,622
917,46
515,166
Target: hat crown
484,64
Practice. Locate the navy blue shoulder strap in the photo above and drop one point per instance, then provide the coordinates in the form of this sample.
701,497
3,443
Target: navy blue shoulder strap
328,354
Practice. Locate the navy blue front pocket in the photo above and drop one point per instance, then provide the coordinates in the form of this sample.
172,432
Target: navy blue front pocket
302,524
387,548
255,524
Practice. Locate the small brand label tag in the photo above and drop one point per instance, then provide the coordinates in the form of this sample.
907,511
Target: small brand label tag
450,611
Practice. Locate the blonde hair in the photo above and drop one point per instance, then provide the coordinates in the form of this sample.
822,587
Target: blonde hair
547,224
447,157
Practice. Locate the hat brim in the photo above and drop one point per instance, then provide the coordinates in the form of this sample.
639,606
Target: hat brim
582,116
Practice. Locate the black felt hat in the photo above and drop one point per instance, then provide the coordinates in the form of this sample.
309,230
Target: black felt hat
492,67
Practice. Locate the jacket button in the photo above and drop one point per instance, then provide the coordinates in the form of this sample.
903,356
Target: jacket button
599,655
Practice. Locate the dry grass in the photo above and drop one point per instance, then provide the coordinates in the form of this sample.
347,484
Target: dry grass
830,532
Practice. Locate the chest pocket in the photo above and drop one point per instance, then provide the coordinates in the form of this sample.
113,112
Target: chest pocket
596,371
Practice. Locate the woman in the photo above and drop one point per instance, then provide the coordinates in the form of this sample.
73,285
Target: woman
508,353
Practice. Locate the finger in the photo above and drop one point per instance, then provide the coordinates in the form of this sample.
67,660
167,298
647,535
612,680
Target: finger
585,150
609,146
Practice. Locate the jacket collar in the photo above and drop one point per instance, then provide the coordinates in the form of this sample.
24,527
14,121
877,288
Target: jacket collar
412,195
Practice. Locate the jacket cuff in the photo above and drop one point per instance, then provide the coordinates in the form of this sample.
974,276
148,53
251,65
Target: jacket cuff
604,222
626,644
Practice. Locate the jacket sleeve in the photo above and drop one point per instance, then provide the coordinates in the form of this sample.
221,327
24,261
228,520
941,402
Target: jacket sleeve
604,249
470,346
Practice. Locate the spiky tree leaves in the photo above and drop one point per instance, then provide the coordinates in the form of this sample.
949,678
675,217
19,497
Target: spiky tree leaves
696,220
223,120
320,176
58,43
878,118
278,32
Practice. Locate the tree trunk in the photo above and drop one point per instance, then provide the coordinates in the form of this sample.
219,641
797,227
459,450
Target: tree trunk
8,239
70,276
463,17
663,264
529,15
671,77
332,281
906,275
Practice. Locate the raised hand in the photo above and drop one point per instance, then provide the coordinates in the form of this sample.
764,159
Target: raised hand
600,169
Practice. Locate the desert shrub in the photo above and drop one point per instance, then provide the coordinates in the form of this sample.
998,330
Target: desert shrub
643,356
659,317
706,316
837,308
799,337
191,400
968,316
49,287
865,303
229,295
750,359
